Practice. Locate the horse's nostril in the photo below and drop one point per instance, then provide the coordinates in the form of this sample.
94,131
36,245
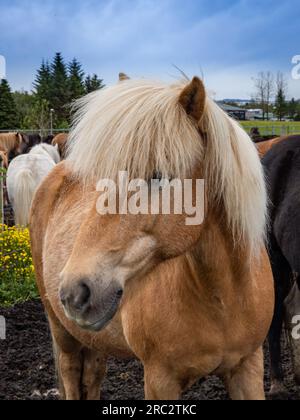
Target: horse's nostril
120,293
62,297
76,298
82,296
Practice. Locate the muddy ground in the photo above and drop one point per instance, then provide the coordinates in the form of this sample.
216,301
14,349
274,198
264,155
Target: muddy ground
27,371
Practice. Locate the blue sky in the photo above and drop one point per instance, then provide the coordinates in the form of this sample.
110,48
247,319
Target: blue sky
225,41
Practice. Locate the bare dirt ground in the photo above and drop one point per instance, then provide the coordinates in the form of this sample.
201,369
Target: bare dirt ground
27,370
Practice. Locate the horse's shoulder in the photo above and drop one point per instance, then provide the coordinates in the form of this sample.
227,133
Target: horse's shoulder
47,193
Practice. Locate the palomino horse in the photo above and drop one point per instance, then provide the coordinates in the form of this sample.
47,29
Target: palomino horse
188,301
282,165
4,158
11,143
61,141
24,175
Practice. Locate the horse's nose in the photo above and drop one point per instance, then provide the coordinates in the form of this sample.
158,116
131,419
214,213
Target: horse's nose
76,298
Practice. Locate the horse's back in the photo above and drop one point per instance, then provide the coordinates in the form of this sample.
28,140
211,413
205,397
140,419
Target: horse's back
36,163
282,168
265,146
38,167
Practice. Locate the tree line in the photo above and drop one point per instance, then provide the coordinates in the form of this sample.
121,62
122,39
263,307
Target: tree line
271,96
56,85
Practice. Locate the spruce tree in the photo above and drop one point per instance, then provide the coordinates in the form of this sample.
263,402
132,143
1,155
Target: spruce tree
280,104
43,82
292,108
76,80
60,95
93,83
24,101
8,112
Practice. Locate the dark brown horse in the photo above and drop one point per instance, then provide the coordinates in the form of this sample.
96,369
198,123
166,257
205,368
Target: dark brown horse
282,167
264,146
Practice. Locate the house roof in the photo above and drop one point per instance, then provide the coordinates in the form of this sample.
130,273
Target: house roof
229,108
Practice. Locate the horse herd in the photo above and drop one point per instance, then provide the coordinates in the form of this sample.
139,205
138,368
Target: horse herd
14,144
188,301
28,160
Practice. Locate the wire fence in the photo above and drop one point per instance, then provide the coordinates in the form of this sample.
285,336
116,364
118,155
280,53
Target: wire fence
6,211
273,130
265,130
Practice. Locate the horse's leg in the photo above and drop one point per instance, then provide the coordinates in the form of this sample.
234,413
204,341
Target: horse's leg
247,381
94,369
160,384
68,359
70,369
282,277
80,370
80,374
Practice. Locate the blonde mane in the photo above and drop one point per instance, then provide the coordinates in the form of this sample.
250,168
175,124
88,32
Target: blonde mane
140,126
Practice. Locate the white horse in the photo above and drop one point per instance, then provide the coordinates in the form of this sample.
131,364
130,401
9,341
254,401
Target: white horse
24,175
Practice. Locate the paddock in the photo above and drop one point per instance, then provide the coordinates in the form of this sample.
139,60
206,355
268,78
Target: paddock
27,367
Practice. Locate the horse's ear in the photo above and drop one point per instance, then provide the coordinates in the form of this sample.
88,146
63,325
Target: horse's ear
193,97
19,138
123,77
23,138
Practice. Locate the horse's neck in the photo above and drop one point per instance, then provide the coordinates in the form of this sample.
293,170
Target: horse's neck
8,143
216,261
53,155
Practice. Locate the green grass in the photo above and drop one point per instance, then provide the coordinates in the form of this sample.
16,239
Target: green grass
17,278
15,290
277,128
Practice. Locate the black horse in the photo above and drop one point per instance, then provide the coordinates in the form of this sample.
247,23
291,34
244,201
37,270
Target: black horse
31,140
282,167
48,139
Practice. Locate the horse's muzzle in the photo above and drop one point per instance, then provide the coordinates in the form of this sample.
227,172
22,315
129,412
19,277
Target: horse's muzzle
88,306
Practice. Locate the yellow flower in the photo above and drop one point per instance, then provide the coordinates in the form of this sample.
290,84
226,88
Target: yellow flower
15,253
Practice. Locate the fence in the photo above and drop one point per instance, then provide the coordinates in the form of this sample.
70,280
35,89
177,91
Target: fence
273,130
6,211
265,130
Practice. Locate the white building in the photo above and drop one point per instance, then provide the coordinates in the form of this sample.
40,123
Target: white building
254,114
